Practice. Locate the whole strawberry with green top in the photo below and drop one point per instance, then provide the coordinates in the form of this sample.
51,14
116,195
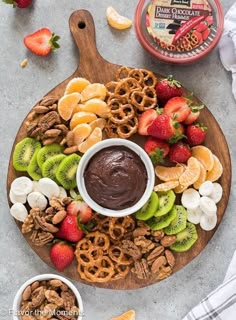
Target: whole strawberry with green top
19,3
168,88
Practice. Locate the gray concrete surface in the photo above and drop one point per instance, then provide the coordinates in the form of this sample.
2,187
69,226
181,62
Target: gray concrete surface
21,88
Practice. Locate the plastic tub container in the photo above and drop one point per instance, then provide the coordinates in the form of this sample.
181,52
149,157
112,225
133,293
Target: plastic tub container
171,30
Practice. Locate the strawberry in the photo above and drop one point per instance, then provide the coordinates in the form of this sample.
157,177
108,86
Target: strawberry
145,120
209,20
156,149
163,127
168,88
70,229
179,152
42,42
19,3
206,33
196,134
202,26
61,254
193,116
80,209
177,108
178,133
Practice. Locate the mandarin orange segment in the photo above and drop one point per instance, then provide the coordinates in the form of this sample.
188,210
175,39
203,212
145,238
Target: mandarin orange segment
191,174
94,90
81,132
129,315
116,20
67,104
76,85
82,117
98,123
94,138
204,155
217,170
201,178
169,173
166,186
78,108
180,188
97,106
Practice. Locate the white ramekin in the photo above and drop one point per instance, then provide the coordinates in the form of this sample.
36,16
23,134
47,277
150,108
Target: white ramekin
105,144
18,296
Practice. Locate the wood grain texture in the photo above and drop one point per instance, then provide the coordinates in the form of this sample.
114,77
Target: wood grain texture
96,69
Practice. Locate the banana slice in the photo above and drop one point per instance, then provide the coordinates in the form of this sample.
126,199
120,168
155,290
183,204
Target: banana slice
206,188
217,192
37,200
194,216
208,206
208,223
49,188
190,199
14,198
19,211
22,186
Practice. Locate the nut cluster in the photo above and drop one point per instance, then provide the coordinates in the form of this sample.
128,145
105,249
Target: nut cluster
44,122
149,250
42,224
48,299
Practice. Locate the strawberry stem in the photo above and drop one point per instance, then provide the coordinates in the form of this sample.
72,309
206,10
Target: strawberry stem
53,42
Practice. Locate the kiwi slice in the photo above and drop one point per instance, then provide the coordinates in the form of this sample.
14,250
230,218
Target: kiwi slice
166,202
179,223
33,168
185,239
23,153
51,165
158,223
150,207
66,172
47,152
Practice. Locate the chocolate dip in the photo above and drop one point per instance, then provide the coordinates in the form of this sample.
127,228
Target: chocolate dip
115,178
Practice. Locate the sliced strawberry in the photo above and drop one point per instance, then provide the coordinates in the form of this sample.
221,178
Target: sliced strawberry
206,33
196,134
193,116
177,108
163,127
156,149
80,209
61,255
179,152
145,120
42,42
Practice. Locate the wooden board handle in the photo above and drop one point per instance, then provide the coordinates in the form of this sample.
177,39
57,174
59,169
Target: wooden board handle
82,28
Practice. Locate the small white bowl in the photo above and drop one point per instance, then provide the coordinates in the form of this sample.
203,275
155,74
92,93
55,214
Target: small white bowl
110,143
18,296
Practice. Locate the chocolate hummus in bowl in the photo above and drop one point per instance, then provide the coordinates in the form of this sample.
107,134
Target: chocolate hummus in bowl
115,177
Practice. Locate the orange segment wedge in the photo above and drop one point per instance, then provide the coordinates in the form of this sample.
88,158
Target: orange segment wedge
94,138
94,90
67,104
166,186
180,188
129,315
76,85
82,117
204,155
98,123
78,108
169,173
192,172
81,132
117,21
97,106
201,178
217,170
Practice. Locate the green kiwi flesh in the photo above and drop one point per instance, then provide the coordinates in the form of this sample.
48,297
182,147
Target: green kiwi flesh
185,239
66,172
47,152
158,223
166,202
23,153
179,223
33,168
150,207
51,165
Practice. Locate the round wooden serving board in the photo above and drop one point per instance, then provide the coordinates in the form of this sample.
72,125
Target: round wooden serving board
96,69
